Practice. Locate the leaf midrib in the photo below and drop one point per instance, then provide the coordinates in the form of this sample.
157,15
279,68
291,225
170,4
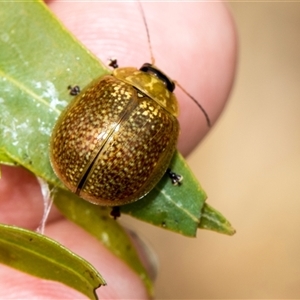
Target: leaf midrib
170,200
22,87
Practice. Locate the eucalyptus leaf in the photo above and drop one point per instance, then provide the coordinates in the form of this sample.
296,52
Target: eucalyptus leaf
40,256
177,208
33,92
96,220
34,80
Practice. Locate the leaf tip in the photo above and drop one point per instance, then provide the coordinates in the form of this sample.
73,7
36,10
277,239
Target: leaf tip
213,220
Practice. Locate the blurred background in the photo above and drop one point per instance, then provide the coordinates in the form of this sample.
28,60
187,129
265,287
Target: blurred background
250,167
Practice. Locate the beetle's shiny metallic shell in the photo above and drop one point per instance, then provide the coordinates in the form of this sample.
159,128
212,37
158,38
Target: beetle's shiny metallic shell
115,140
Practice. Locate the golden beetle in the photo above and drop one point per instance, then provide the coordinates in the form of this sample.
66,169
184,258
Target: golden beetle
115,140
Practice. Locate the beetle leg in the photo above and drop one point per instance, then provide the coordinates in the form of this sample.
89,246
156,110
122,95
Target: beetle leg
113,63
74,90
176,178
115,212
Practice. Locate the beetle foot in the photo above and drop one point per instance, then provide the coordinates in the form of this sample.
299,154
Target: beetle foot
175,178
74,90
115,212
113,63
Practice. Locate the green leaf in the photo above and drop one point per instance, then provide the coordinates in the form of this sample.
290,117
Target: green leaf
96,220
177,208
36,66
33,92
211,219
40,256
5,159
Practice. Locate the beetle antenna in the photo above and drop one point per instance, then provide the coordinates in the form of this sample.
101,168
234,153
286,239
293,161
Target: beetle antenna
147,31
197,103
